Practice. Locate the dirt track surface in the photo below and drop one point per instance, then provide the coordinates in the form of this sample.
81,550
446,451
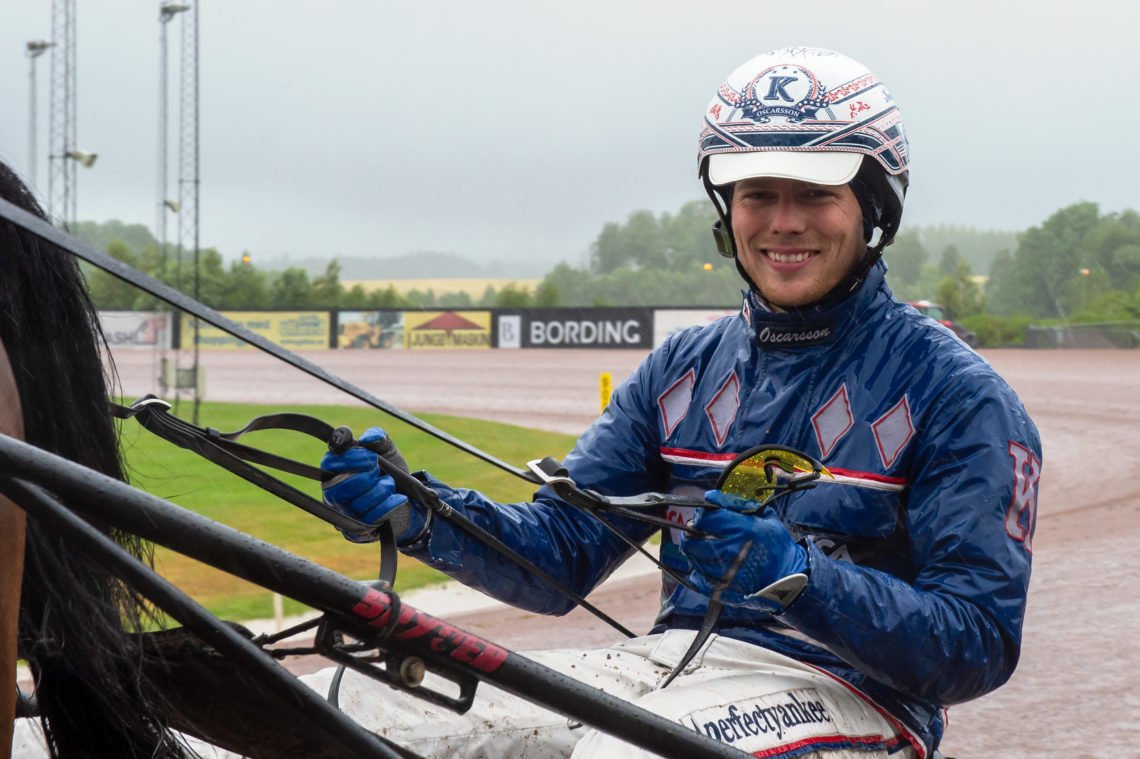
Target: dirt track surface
1075,693
550,389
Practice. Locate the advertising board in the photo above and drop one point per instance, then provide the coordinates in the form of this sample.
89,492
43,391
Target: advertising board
295,330
508,331
586,328
129,330
370,329
447,329
668,321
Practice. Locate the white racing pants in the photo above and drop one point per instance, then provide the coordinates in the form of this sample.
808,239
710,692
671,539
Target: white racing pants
753,699
756,700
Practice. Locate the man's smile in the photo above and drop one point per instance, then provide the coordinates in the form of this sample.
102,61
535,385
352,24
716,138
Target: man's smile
788,255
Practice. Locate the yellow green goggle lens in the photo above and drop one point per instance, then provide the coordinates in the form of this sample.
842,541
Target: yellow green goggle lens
763,472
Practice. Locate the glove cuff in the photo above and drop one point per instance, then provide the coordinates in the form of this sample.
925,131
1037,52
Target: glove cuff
411,523
778,596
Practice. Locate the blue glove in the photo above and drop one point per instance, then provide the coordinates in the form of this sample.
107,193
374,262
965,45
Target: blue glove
360,490
770,567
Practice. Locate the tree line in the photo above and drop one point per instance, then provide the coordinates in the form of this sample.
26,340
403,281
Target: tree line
1079,265
670,259
243,286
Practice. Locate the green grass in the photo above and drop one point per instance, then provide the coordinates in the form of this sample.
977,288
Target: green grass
190,481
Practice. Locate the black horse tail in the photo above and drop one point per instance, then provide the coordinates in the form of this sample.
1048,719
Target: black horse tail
75,616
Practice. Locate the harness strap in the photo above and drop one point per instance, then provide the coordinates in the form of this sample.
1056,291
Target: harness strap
222,448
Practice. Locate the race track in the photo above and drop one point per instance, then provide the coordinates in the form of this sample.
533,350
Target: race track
1074,694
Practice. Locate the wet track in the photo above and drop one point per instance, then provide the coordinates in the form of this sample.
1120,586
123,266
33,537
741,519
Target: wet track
1074,694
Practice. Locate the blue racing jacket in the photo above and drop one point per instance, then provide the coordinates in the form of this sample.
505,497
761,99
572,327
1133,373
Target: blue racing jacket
919,551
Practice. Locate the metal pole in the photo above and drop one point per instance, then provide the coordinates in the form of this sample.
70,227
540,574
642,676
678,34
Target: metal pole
196,187
166,13
160,218
31,116
188,170
62,112
72,122
35,49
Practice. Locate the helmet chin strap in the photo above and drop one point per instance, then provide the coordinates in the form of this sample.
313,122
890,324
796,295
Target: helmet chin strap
859,271
748,279
871,207
722,231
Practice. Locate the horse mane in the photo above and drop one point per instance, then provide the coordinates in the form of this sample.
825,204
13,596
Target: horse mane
75,616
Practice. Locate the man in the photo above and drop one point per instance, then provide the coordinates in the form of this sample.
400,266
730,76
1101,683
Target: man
916,569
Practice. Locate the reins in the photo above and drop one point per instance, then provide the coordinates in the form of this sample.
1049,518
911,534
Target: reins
230,455
151,286
223,449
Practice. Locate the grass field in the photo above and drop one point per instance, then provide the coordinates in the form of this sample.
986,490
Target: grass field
182,477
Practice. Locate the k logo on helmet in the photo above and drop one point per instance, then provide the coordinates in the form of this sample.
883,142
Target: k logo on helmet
792,92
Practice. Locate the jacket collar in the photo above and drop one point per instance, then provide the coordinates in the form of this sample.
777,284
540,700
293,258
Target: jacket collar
816,325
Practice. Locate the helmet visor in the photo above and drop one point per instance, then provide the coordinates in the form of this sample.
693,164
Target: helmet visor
814,167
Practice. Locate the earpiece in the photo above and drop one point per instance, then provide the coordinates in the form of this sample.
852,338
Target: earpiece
723,239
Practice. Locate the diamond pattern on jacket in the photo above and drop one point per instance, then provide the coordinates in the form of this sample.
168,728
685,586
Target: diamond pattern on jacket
674,402
832,421
721,410
893,430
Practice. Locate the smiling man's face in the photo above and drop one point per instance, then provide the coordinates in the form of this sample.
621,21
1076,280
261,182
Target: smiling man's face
796,240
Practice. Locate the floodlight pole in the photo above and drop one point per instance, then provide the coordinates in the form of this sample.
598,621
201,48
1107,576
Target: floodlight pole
63,156
61,171
34,50
188,183
166,13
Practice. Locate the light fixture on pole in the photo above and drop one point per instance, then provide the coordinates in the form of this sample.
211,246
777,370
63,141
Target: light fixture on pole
82,157
34,50
167,11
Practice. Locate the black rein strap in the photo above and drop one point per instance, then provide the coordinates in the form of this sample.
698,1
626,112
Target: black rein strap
222,448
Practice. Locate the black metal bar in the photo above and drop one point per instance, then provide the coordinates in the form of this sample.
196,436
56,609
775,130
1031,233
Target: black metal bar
363,610
88,253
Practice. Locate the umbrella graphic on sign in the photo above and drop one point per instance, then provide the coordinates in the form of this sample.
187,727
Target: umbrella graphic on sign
449,321
449,330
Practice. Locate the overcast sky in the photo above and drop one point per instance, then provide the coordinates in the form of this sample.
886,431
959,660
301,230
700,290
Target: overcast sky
501,130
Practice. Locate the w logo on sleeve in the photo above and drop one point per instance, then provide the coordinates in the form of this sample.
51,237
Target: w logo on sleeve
1021,518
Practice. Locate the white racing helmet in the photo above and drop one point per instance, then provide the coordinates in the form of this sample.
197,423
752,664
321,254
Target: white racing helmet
808,114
